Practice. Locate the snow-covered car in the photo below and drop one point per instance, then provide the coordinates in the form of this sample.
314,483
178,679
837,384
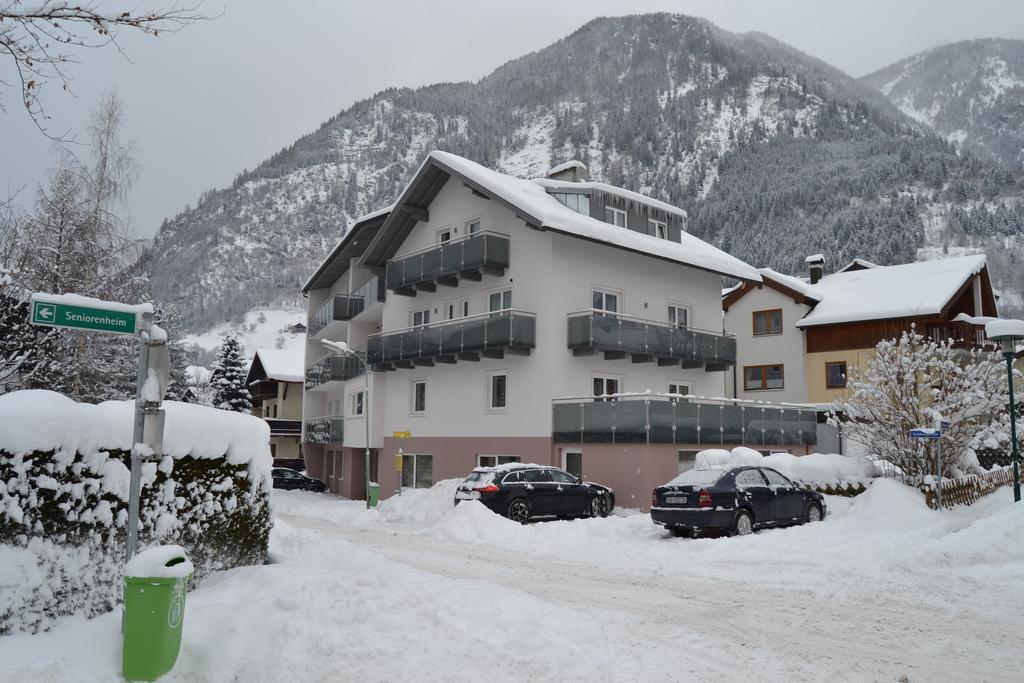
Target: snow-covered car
521,492
737,500
285,478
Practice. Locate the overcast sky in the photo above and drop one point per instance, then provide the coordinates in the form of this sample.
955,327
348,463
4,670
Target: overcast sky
223,95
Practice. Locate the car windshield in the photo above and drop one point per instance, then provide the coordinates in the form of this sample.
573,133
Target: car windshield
696,478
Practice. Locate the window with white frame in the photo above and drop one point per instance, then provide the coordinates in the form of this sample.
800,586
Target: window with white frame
417,471
681,388
659,229
472,226
444,235
419,396
449,310
497,391
606,385
678,315
500,300
463,307
616,217
495,460
419,317
358,400
580,203
606,300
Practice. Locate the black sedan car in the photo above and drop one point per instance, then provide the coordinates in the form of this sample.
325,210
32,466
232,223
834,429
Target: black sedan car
521,492
285,478
736,500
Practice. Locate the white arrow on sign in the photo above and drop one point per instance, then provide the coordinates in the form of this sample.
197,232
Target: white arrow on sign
45,312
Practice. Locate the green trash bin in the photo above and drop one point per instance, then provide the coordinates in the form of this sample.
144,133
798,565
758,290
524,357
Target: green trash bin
373,496
155,582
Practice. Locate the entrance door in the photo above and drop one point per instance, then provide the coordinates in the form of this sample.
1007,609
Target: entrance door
572,462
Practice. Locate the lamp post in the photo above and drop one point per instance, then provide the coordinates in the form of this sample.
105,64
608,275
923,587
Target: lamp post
343,349
1008,333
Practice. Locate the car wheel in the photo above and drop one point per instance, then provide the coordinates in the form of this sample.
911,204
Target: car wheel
519,510
598,506
813,513
744,524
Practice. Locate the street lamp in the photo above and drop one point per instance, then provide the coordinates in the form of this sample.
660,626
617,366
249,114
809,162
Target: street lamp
341,348
1008,333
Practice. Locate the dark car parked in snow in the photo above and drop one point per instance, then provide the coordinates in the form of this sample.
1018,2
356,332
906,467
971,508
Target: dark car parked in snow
521,492
737,500
285,478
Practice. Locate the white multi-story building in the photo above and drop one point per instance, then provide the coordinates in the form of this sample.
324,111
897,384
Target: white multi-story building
554,321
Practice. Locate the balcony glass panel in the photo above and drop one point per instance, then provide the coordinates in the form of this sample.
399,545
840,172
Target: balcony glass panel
683,345
732,424
498,331
474,335
808,427
567,422
633,336
630,421
432,262
687,420
599,422
481,249
614,332
661,416
710,424
524,332
579,331
450,337
659,340
325,430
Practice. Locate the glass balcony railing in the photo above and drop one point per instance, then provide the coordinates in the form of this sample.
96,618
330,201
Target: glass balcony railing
343,307
325,430
512,331
465,257
332,369
684,420
612,332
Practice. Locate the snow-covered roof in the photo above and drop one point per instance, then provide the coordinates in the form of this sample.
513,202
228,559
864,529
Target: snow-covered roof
284,366
553,184
532,198
554,170
795,283
857,264
1005,328
815,258
912,289
978,320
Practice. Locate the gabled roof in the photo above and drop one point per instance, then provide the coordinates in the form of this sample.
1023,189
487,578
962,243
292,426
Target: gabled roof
913,289
276,364
857,264
530,201
795,288
351,245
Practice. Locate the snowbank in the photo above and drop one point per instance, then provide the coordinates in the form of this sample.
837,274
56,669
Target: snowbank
814,468
64,486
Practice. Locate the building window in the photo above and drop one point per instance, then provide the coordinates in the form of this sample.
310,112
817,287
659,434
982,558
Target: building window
760,377
464,307
580,203
616,217
497,391
472,226
500,300
419,396
835,375
687,460
678,388
659,229
420,317
357,403
679,316
605,385
417,471
449,310
604,300
768,322
495,460
444,235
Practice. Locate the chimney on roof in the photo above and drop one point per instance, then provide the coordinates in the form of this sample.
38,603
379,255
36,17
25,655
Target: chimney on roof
815,267
571,171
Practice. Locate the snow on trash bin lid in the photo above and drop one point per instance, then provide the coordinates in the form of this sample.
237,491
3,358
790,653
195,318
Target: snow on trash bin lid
153,563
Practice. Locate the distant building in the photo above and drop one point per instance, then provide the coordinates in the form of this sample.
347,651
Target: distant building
556,321
275,382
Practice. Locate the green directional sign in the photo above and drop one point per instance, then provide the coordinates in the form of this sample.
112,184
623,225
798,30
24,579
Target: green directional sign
83,317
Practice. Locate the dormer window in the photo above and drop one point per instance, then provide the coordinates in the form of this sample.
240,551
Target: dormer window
580,203
659,229
616,217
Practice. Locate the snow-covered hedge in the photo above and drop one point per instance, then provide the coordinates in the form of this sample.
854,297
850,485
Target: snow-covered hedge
64,479
815,468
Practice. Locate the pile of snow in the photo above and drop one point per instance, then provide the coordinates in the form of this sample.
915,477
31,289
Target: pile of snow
160,562
421,505
64,489
813,468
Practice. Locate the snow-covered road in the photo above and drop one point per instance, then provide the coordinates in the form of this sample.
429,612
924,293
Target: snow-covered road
418,591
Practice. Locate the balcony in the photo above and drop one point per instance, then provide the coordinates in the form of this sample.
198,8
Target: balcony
962,335
488,335
646,419
344,307
321,374
284,427
619,335
262,390
466,258
325,430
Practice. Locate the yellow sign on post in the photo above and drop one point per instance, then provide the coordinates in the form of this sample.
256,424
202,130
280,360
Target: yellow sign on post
402,435
398,463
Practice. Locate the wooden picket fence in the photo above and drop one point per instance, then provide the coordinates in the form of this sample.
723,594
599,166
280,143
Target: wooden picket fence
967,490
848,489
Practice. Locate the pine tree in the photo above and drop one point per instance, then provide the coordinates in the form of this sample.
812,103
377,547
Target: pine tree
27,352
229,373
169,319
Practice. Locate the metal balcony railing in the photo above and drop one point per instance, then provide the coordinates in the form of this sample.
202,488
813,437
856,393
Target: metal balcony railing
466,257
594,330
659,419
325,430
497,332
332,369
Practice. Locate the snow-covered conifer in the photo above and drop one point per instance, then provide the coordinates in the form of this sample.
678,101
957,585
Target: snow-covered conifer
229,372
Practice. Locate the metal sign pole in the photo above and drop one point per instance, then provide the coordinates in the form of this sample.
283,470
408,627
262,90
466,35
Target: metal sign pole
138,435
938,488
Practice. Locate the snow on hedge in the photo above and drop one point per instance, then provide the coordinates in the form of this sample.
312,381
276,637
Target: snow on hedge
64,482
820,468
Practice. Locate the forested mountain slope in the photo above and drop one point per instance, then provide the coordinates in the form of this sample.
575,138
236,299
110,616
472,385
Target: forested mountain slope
775,154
